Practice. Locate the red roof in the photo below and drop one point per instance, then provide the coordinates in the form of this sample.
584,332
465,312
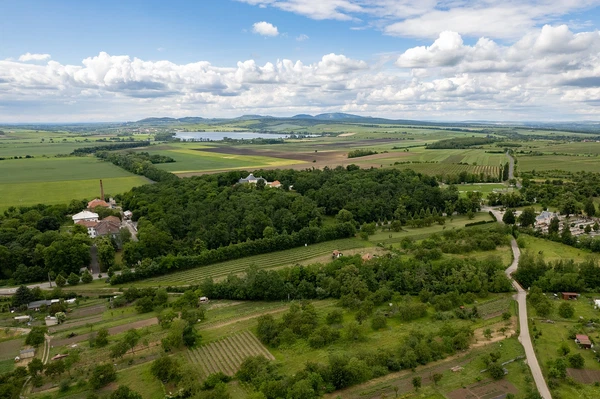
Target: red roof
112,219
97,202
583,339
87,223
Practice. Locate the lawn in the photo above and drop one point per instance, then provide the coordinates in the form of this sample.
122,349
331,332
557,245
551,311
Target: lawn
59,180
551,250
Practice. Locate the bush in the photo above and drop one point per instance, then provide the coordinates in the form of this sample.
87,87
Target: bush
576,361
378,322
212,380
566,310
103,375
336,316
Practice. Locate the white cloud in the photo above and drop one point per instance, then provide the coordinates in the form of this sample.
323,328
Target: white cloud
34,57
508,19
265,29
302,37
548,74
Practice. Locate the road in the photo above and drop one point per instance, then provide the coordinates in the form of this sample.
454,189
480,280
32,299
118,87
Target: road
524,336
511,168
44,286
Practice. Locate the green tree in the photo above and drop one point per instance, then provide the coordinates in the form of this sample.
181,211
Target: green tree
527,217
73,279
554,226
496,371
416,382
131,339
101,339
509,217
566,310
576,361
55,368
589,208
437,377
86,277
119,349
36,336
22,296
144,305
563,349
378,322
166,369
106,253
166,317
60,280
102,375
35,366
124,392
344,216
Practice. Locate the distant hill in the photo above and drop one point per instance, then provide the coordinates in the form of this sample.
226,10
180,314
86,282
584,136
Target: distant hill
340,116
157,120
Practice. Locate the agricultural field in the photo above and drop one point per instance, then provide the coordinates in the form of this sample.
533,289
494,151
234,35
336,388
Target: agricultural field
266,261
60,180
227,354
558,162
440,169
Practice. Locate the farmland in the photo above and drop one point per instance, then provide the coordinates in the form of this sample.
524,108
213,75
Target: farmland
226,355
558,162
59,180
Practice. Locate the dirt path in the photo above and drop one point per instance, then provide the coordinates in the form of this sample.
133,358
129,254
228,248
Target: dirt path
229,322
111,331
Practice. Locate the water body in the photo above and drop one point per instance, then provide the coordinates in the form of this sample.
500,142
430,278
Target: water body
219,136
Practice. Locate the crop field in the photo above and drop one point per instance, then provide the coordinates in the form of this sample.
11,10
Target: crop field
558,162
559,147
439,169
226,355
192,160
265,261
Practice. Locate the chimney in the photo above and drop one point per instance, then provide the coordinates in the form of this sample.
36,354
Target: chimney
101,191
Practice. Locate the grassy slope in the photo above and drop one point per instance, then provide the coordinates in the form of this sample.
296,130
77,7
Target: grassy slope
552,251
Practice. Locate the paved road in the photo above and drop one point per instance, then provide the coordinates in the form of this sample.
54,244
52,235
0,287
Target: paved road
511,169
524,336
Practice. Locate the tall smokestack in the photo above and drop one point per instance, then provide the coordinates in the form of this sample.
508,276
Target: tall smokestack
101,191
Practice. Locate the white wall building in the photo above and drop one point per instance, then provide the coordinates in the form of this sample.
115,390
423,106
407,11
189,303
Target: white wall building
86,216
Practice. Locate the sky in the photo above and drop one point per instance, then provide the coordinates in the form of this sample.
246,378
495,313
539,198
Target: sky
441,60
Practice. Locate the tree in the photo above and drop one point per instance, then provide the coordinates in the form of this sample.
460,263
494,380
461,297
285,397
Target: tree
106,253
124,392
73,279
102,375
589,208
344,216
496,371
35,366
527,217
378,322
509,217
554,226
101,338
60,280
566,310
437,377
487,333
576,361
166,369
416,382
22,296
118,349
36,336
144,305
132,337
55,368
87,277
166,317
563,349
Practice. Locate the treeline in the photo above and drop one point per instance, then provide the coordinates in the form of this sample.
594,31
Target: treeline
468,177
443,282
134,251
558,276
154,158
459,143
361,153
109,147
137,164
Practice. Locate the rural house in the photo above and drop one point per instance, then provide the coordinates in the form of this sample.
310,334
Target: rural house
250,179
36,305
109,226
544,218
583,341
26,354
85,216
569,295
93,204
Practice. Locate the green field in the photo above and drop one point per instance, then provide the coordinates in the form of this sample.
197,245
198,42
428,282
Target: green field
558,162
59,180
551,250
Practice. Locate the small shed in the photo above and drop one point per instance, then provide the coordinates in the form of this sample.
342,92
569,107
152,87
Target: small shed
23,319
36,305
569,295
27,353
51,321
336,254
583,341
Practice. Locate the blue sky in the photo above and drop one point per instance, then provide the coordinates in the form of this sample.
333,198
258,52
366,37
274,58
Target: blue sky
427,59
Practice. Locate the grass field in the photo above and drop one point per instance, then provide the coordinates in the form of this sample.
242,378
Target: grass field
266,261
191,160
59,180
558,162
551,250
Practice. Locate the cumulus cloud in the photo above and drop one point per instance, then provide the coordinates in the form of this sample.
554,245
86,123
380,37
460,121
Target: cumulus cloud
265,29
552,73
34,57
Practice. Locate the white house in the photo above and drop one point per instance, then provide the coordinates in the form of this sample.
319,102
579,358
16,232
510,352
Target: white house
85,216
544,218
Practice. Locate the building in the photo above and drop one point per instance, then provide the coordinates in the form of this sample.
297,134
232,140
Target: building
336,254
569,295
250,179
51,321
90,226
127,215
109,226
85,216
36,305
93,204
544,218
23,319
583,341
27,353
275,184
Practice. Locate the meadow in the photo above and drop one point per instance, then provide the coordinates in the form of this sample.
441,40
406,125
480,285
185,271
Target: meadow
60,180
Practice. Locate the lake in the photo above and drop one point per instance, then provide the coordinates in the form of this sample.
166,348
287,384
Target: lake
218,136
